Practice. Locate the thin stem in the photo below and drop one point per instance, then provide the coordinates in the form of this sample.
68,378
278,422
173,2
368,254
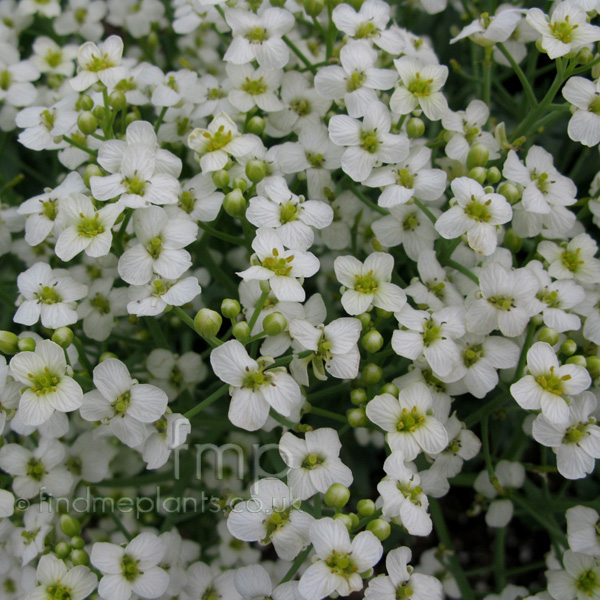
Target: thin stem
299,53
362,197
257,309
427,212
161,116
466,272
529,94
75,143
327,413
206,402
296,564
83,359
523,358
499,552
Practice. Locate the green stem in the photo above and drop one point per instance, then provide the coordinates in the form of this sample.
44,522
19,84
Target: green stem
327,413
299,53
499,552
529,94
423,208
467,272
257,309
206,402
120,525
83,359
296,564
523,358
232,239
362,197
75,143
161,116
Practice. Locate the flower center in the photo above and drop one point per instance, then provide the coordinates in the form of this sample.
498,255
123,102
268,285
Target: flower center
340,563
368,141
312,461
5,80
366,30
50,209
101,304
289,212
431,333
255,380
44,382
80,15
563,31
215,94
436,288
588,583
552,383
135,185
571,260
278,264
210,594
187,202
420,87
315,160
218,140
121,404
301,107
472,354
405,178
411,222
48,119
575,433
478,211
254,87
355,81
154,247
58,591
99,63
257,35
404,591
501,302
410,421
595,105
35,469
541,181
410,493
550,299
129,568
53,58
47,294
275,522
366,284
90,226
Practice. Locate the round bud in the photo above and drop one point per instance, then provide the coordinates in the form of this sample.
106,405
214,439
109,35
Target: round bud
84,103
87,122
63,336
365,319
383,314
241,331
357,417
548,335
415,128
117,100
377,245
366,507
91,171
337,496
208,322
478,156
221,178
355,520
568,347
358,397
256,170
274,324
380,529
372,341
99,112
230,308
77,542
62,550
390,388
70,526
584,56
256,125
9,342
239,183
133,115
593,366
512,241
478,174
577,359
235,203
510,192
345,519
372,374
314,8
26,344
493,175
106,355
80,557
539,47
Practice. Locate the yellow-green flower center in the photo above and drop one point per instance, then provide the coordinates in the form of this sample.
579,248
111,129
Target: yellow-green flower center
301,107
90,226
278,264
563,31
588,583
53,57
420,87
366,284
121,404
289,212
154,247
501,302
472,354
571,260
552,383
35,469
257,35
431,333
129,568
478,211
355,81
368,141
47,294
410,420
218,140
254,87
341,563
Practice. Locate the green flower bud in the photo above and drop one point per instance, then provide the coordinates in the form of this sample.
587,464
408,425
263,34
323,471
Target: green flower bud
69,525
80,557
365,319
478,156
593,366
106,355
62,550
415,127
256,125
221,178
577,359
510,192
345,519
9,342
383,314
208,322
337,496
380,529
372,341
241,331
548,335
357,417
494,175
26,344
366,507
274,323
512,241
230,308
63,336
568,347
358,397
355,520
84,102
390,388
235,203
372,374
117,100
584,56
239,183
99,112
478,174
91,171
256,170
77,542
377,245
133,115
87,122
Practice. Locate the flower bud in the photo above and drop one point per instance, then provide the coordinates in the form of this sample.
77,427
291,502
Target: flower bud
256,125
26,344
84,102
365,319
99,112
577,359
133,115
239,183
63,336
478,156
366,507
510,192
256,170
372,374
208,322
221,178
87,122
9,342
91,171
230,308
380,529
494,175
372,341
390,388
383,314
80,557
345,519
358,397
117,100
584,56
274,324
69,525
357,417
62,550
568,347
337,496
593,366
548,335
355,520
415,128
106,355
235,203
512,241
241,331
478,174
314,8
77,542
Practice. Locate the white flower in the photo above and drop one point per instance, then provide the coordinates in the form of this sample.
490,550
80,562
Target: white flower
202,580
169,433
160,247
131,570
258,37
7,502
368,284
100,62
199,200
575,439
409,421
49,388
580,579
55,578
487,30
173,373
566,30
582,532
48,294
402,582
254,582
82,17
475,213
152,298
340,561
28,541
254,88
574,260
369,141
17,75
463,445
314,463
281,268
584,95
291,216
136,17
420,88
272,515
254,388
121,403
49,57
